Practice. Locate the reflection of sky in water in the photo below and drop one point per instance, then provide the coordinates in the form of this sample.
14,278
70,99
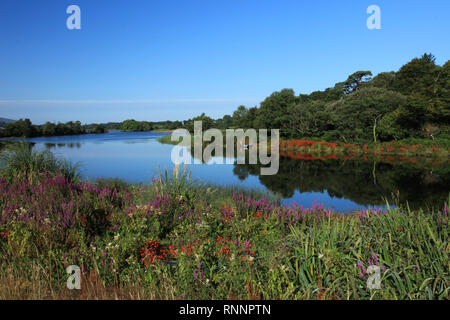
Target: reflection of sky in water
307,199
135,157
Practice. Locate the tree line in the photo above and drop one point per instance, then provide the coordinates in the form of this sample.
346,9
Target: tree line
133,125
413,102
24,128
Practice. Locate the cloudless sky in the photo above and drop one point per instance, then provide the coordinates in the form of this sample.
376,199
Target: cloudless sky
158,60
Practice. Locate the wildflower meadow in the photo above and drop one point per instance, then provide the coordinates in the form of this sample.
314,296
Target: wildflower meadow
177,239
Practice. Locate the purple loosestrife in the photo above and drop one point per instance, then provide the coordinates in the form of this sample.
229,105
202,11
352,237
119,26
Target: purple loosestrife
442,218
290,214
362,270
198,273
246,204
374,260
55,201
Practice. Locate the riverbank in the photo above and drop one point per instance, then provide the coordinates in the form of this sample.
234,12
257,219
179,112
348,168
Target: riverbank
416,153
411,147
163,131
176,239
168,140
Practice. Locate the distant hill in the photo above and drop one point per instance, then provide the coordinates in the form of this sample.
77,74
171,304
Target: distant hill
4,120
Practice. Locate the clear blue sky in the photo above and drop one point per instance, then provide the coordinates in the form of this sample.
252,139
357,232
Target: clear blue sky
158,60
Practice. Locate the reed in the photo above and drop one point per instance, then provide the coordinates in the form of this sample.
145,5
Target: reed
19,161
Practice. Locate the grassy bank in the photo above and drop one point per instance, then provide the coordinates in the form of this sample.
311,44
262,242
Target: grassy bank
439,148
163,130
414,152
410,147
168,140
176,239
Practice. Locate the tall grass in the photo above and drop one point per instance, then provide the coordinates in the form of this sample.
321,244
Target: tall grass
167,139
185,242
19,161
179,183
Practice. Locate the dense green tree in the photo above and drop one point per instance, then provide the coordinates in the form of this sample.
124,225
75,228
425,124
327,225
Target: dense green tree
98,128
225,122
244,118
207,123
413,114
238,116
388,128
48,129
440,108
272,112
133,125
413,102
22,128
355,81
306,120
417,77
78,128
383,80
248,121
358,114
330,94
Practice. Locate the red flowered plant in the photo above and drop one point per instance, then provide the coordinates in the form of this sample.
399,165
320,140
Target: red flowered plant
4,235
226,248
172,251
227,213
152,252
188,249
223,246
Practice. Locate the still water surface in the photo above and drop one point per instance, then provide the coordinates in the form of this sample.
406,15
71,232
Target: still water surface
342,185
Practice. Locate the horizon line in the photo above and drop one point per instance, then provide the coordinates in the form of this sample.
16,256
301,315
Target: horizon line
49,101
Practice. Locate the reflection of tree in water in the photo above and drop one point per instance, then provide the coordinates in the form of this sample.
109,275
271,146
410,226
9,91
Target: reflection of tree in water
241,171
206,158
70,145
365,183
6,144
